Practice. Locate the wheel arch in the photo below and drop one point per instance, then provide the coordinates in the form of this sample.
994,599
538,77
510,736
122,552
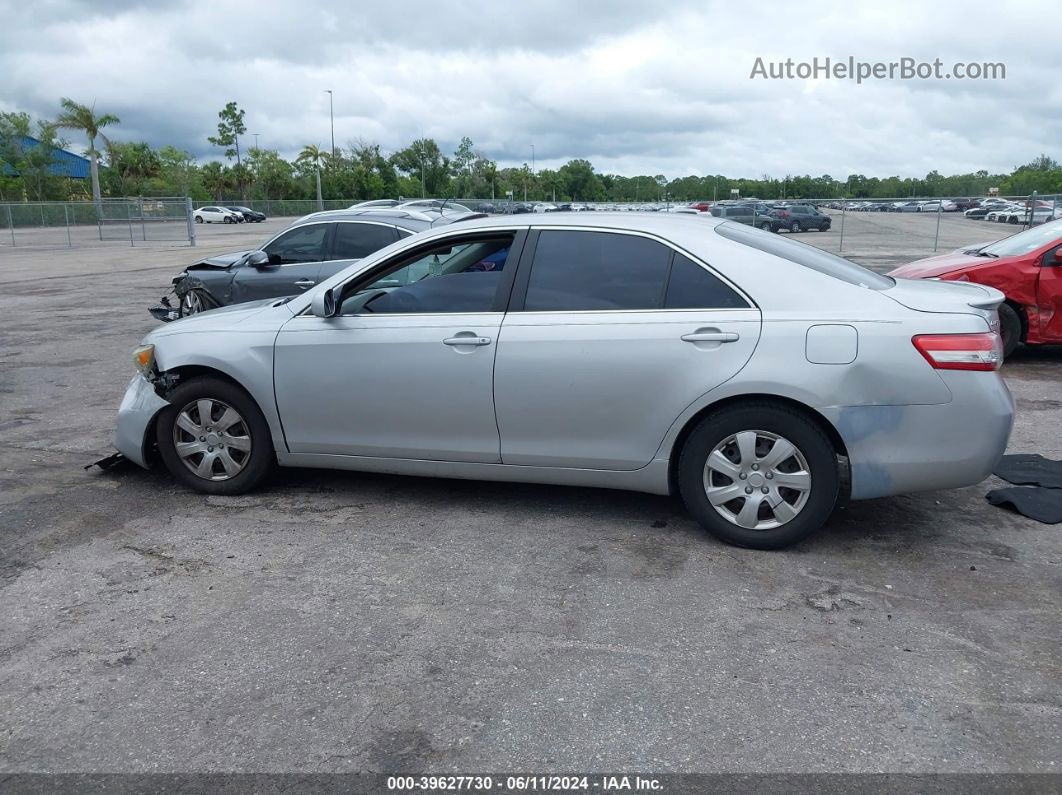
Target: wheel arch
1023,317
821,421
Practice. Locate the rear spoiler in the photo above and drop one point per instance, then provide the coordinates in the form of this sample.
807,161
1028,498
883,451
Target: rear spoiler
990,301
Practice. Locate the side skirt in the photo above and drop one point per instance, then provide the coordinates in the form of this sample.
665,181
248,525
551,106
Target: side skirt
652,478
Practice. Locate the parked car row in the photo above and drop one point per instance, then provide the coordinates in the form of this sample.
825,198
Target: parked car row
487,347
216,214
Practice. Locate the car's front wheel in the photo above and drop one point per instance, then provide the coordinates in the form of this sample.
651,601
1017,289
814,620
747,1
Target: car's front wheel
199,219
795,226
213,437
761,475
766,226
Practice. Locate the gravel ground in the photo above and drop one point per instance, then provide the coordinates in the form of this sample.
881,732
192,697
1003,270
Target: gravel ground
363,622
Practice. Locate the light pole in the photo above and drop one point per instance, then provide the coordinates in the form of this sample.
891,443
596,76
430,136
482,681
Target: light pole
331,120
256,139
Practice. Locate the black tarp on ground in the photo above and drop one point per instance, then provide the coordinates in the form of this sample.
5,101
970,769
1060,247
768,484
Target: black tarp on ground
1025,469
1038,490
1043,505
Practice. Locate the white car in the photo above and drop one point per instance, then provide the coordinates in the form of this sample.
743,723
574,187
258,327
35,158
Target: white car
999,213
544,207
216,215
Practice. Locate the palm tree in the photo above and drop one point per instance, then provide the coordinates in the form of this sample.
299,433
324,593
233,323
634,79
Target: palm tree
82,117
312,153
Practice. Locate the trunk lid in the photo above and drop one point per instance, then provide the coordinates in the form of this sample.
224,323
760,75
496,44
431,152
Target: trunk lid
929,295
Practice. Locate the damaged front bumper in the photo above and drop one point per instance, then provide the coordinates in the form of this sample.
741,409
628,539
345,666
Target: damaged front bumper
140,406
165,311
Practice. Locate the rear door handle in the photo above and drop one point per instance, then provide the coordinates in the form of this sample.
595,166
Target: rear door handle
466,340
711,336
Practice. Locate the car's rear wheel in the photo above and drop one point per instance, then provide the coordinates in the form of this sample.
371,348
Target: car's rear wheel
1009,329
761,475
213,437
795,226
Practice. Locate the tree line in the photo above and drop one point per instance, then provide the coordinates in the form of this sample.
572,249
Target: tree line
363,170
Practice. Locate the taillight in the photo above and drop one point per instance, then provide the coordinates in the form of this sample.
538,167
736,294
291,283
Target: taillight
961,351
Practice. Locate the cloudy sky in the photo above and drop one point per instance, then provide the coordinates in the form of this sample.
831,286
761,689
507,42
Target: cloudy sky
635,87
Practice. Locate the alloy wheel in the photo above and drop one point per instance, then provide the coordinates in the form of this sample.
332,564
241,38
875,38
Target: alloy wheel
211,439
757,480
192,303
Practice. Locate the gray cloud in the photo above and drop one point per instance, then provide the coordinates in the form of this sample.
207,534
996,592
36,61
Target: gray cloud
634,87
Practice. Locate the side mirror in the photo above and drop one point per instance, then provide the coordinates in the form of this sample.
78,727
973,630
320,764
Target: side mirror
324,304
1057,258
258,259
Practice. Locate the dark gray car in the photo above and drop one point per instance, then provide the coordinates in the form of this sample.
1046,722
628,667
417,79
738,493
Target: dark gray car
312,249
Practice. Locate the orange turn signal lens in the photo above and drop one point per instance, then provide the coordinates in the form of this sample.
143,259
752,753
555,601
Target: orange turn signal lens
144,357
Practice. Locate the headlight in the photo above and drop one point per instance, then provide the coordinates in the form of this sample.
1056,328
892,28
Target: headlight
144,358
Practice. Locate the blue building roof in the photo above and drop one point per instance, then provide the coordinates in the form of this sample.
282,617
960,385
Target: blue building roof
66,164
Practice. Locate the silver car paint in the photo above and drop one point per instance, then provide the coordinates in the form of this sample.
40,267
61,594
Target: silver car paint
904,424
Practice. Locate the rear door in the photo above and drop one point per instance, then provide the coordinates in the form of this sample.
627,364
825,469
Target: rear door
294,261
609,337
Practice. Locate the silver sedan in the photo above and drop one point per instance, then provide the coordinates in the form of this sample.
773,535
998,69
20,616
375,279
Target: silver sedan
763,380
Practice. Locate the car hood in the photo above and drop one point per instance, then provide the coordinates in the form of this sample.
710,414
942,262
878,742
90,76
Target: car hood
939,265
220,319
221,260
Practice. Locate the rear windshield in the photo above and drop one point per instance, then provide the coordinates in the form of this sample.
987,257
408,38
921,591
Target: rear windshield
803,254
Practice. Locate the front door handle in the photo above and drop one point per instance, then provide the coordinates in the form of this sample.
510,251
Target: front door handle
468,339
711,336
304,283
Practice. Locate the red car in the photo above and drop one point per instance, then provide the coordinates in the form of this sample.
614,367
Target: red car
1026,267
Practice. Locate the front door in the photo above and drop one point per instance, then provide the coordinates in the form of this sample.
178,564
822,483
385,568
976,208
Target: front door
609,338
406,369
294,264
1049,296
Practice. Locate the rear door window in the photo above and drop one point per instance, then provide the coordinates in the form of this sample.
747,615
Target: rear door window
581,271
357,240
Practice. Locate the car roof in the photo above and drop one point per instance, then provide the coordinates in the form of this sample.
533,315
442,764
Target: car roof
412,220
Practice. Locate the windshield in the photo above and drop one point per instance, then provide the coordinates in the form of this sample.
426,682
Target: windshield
805,255
1024,242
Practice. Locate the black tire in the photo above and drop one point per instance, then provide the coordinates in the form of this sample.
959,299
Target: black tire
261,459
1009,329
228,219
794,426
795,227
824,228
766,226
205,302
199,219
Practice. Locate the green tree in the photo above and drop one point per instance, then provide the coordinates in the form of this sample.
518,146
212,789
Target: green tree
130,166
177,171
83,117
423,159
216,179
230,128
312,154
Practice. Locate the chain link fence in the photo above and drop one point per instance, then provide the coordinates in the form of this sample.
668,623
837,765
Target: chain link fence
130,221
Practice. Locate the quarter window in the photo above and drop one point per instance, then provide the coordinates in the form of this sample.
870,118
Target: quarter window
692,287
